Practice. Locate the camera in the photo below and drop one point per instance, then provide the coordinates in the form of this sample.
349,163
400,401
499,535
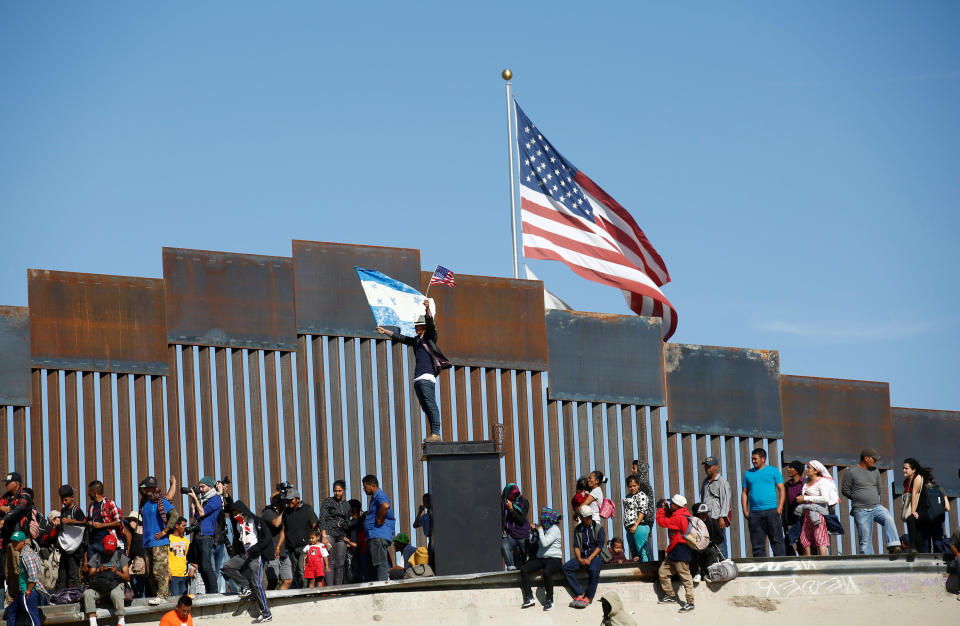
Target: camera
284,491
225,480
187,490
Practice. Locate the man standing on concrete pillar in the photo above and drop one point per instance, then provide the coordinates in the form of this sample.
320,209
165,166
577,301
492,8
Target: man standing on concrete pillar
861,484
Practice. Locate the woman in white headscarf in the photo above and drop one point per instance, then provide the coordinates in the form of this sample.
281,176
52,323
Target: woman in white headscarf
819,493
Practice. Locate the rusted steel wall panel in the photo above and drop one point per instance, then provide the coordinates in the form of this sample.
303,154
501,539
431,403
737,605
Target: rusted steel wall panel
15,386
330,300
97,322
723,391
931,437
229,300
831,420
596,357
491,322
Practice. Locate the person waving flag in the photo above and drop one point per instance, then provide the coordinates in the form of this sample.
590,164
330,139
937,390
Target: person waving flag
567,217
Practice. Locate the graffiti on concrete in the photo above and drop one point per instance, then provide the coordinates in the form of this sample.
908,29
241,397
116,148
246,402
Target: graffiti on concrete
835,585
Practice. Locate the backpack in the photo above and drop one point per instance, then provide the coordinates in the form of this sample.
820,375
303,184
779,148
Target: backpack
935,507
697,536
607,508
66,596
418,571
50,569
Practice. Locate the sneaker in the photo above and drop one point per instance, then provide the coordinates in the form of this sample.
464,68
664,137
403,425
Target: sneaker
667,600
263,618
156,601
894,550
432,438
245,592
686,607
697,578
511,568
528,603
549,605
575,601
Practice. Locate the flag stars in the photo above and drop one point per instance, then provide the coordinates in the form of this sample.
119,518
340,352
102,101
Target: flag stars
526,129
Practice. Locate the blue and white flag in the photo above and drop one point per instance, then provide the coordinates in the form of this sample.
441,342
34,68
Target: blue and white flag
392,303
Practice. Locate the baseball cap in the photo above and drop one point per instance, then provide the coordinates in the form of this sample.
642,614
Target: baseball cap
710,461
293,493
585,511
870,452
13,477
109,542
679,500
149,481
402,538
701,508
17,536
65,491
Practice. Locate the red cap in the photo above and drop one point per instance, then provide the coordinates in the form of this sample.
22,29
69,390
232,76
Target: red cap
109,542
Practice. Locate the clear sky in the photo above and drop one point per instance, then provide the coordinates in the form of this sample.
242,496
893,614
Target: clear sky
797,167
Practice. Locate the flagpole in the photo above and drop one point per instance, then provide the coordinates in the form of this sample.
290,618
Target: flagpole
507,75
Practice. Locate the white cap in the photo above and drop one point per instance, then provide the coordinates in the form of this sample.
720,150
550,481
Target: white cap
679,500
585,511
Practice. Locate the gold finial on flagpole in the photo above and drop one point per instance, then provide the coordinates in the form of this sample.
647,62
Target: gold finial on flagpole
506,74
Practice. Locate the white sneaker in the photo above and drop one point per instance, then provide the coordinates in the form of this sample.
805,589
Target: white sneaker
697,578
156,601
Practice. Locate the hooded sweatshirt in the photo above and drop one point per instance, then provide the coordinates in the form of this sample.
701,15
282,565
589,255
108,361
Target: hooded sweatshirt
514,514
676,524
613,611
256,538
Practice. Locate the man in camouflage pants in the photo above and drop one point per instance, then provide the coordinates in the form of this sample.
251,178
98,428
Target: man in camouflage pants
159,517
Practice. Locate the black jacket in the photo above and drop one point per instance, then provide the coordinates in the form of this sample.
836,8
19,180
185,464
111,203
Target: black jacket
265,546
429,342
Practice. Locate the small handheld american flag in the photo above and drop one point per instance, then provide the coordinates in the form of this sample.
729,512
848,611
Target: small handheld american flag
442,276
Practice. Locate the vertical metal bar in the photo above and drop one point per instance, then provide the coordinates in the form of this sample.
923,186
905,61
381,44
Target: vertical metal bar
206,414
511,128
715,446
657,475
53,429
881,545
159,438
173,413
241,482
37,460
613,450
583,425
476,401
491,388
416,431
223,414
629,453
462,418
730,473
599,460
369,419
261,491
446,400
385,453
320,409
289,448
140,423
689,478
539,443
844,514
191,462
523,428
20,439
123,437
509,436
556,459
697,469
570,463
303,417
745,465
350,384
337,441
673,461
4,428
399,418
73,430
107,442
273,416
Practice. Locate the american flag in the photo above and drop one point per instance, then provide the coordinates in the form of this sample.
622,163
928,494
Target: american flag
442,276
567,217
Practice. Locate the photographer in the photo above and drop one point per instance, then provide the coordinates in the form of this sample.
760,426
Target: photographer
206,510
223,537
298,520
278,569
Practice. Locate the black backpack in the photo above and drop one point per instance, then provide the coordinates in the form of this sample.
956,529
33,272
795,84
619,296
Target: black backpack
935,506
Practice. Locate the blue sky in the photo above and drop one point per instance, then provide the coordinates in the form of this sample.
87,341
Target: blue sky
795,166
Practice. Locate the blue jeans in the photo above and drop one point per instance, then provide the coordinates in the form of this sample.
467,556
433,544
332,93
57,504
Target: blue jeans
427,395
866,518
508,545
570,569
208,567
179,585
22,605
377,549
220,557
722,546
637,542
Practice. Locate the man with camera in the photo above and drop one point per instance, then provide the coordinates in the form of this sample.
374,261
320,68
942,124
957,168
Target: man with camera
299,519
206,506
277,565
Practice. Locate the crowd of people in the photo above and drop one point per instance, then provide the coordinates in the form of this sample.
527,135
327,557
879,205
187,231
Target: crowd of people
102,555
795,516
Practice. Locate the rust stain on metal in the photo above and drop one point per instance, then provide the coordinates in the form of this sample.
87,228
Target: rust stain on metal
930,436
329,298
95,322
15,384
491,322
831,419
722,391
229,300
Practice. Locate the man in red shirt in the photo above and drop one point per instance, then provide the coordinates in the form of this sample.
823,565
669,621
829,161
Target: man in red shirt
674,516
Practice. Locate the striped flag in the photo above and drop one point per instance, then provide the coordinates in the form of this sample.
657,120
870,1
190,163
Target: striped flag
567,217
442,276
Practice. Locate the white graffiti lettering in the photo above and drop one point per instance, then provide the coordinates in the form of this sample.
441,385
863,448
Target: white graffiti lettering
835,585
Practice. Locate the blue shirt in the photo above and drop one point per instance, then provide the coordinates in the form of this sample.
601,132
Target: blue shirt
370,521
152,523
211,511
762,484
